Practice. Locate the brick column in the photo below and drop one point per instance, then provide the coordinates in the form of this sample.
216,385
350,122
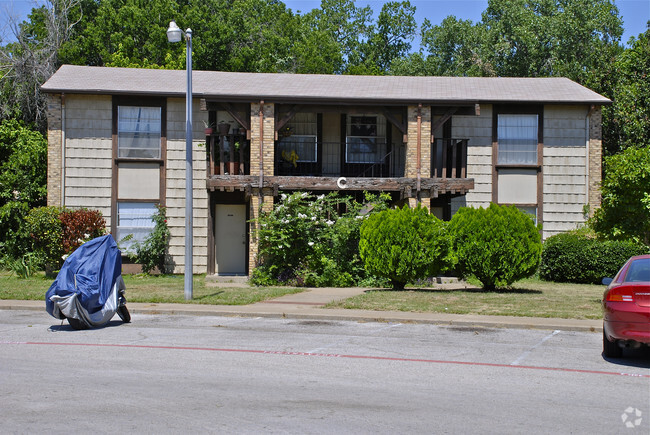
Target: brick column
595,159
410,171
269,139
253,240
54,143
268,165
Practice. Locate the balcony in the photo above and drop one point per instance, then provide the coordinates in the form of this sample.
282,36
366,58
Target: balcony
322,167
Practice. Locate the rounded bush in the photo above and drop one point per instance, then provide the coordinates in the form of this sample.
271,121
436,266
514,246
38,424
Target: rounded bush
404,244
498,245
580,258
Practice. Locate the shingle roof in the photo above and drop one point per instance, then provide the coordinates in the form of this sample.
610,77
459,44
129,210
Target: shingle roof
341,89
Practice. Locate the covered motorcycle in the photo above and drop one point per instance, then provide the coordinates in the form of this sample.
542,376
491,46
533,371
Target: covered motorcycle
89,289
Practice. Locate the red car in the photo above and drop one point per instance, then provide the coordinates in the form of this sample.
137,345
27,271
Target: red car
626,307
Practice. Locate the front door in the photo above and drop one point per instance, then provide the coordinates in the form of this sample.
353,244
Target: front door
230,239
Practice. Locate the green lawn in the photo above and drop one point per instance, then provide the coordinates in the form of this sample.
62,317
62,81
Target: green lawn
530,297
159,289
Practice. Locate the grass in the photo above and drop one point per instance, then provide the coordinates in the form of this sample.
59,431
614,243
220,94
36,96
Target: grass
153,289
530,298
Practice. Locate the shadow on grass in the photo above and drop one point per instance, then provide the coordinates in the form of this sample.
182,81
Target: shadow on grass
461,290
199,298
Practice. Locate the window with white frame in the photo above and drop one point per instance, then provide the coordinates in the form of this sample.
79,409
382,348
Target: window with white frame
139,132
300,137
365,141
135,219
517,138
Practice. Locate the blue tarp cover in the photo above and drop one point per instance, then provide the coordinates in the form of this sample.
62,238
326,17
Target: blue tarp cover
90,272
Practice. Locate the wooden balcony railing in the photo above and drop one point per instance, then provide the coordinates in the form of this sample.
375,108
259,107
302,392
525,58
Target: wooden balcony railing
449,158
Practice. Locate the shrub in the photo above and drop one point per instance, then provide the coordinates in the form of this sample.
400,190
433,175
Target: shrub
498,245
79,226
46,231
304,240
151,253
625,211
578,257
404,244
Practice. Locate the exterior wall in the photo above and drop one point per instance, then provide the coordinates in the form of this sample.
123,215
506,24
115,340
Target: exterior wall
565,168
88,153
410,169
54,151
478,129
175,188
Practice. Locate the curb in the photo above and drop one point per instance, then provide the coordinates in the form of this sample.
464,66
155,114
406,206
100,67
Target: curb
303,312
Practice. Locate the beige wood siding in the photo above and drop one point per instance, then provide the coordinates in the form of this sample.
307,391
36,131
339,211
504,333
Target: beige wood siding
88,153
478,129
331,144
565,168
175,188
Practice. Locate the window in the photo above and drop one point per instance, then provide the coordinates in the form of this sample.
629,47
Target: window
517,138
306,147
364,142
303,140
139,169
139,132
134,218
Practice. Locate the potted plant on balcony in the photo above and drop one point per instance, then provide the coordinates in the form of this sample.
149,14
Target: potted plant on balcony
224,128
208,128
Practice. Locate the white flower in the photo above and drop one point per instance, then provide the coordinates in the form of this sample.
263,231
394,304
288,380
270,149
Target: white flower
329,222
283,197
302,216
320,196
304,195
285,221
310,243
359,217
313,218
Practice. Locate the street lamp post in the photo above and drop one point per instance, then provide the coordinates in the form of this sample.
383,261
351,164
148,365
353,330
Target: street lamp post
174,34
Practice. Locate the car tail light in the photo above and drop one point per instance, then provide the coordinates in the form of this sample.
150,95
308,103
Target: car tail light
620,294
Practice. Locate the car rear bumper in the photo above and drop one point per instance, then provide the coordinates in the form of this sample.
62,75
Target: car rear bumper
625,321
639,332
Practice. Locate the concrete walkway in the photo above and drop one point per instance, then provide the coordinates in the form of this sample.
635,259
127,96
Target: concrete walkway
309,305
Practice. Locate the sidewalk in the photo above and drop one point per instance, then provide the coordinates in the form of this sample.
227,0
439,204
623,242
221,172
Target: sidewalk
309,305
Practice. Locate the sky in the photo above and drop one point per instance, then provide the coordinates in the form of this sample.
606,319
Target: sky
635,13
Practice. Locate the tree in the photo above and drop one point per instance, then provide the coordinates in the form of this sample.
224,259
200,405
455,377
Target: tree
629,120
529,38
625,210
27,63
23,163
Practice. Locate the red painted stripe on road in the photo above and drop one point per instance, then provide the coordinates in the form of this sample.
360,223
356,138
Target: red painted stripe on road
330,355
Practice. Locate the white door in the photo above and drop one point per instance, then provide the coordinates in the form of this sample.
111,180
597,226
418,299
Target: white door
230,239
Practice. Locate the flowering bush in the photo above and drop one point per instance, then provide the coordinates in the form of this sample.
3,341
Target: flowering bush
313,240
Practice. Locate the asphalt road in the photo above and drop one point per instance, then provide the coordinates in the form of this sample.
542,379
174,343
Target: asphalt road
183,374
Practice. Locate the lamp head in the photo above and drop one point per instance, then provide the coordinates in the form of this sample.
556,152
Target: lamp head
174,33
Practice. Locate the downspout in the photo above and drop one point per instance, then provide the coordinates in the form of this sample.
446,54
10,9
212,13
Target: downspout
62,150
261,150
419,153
